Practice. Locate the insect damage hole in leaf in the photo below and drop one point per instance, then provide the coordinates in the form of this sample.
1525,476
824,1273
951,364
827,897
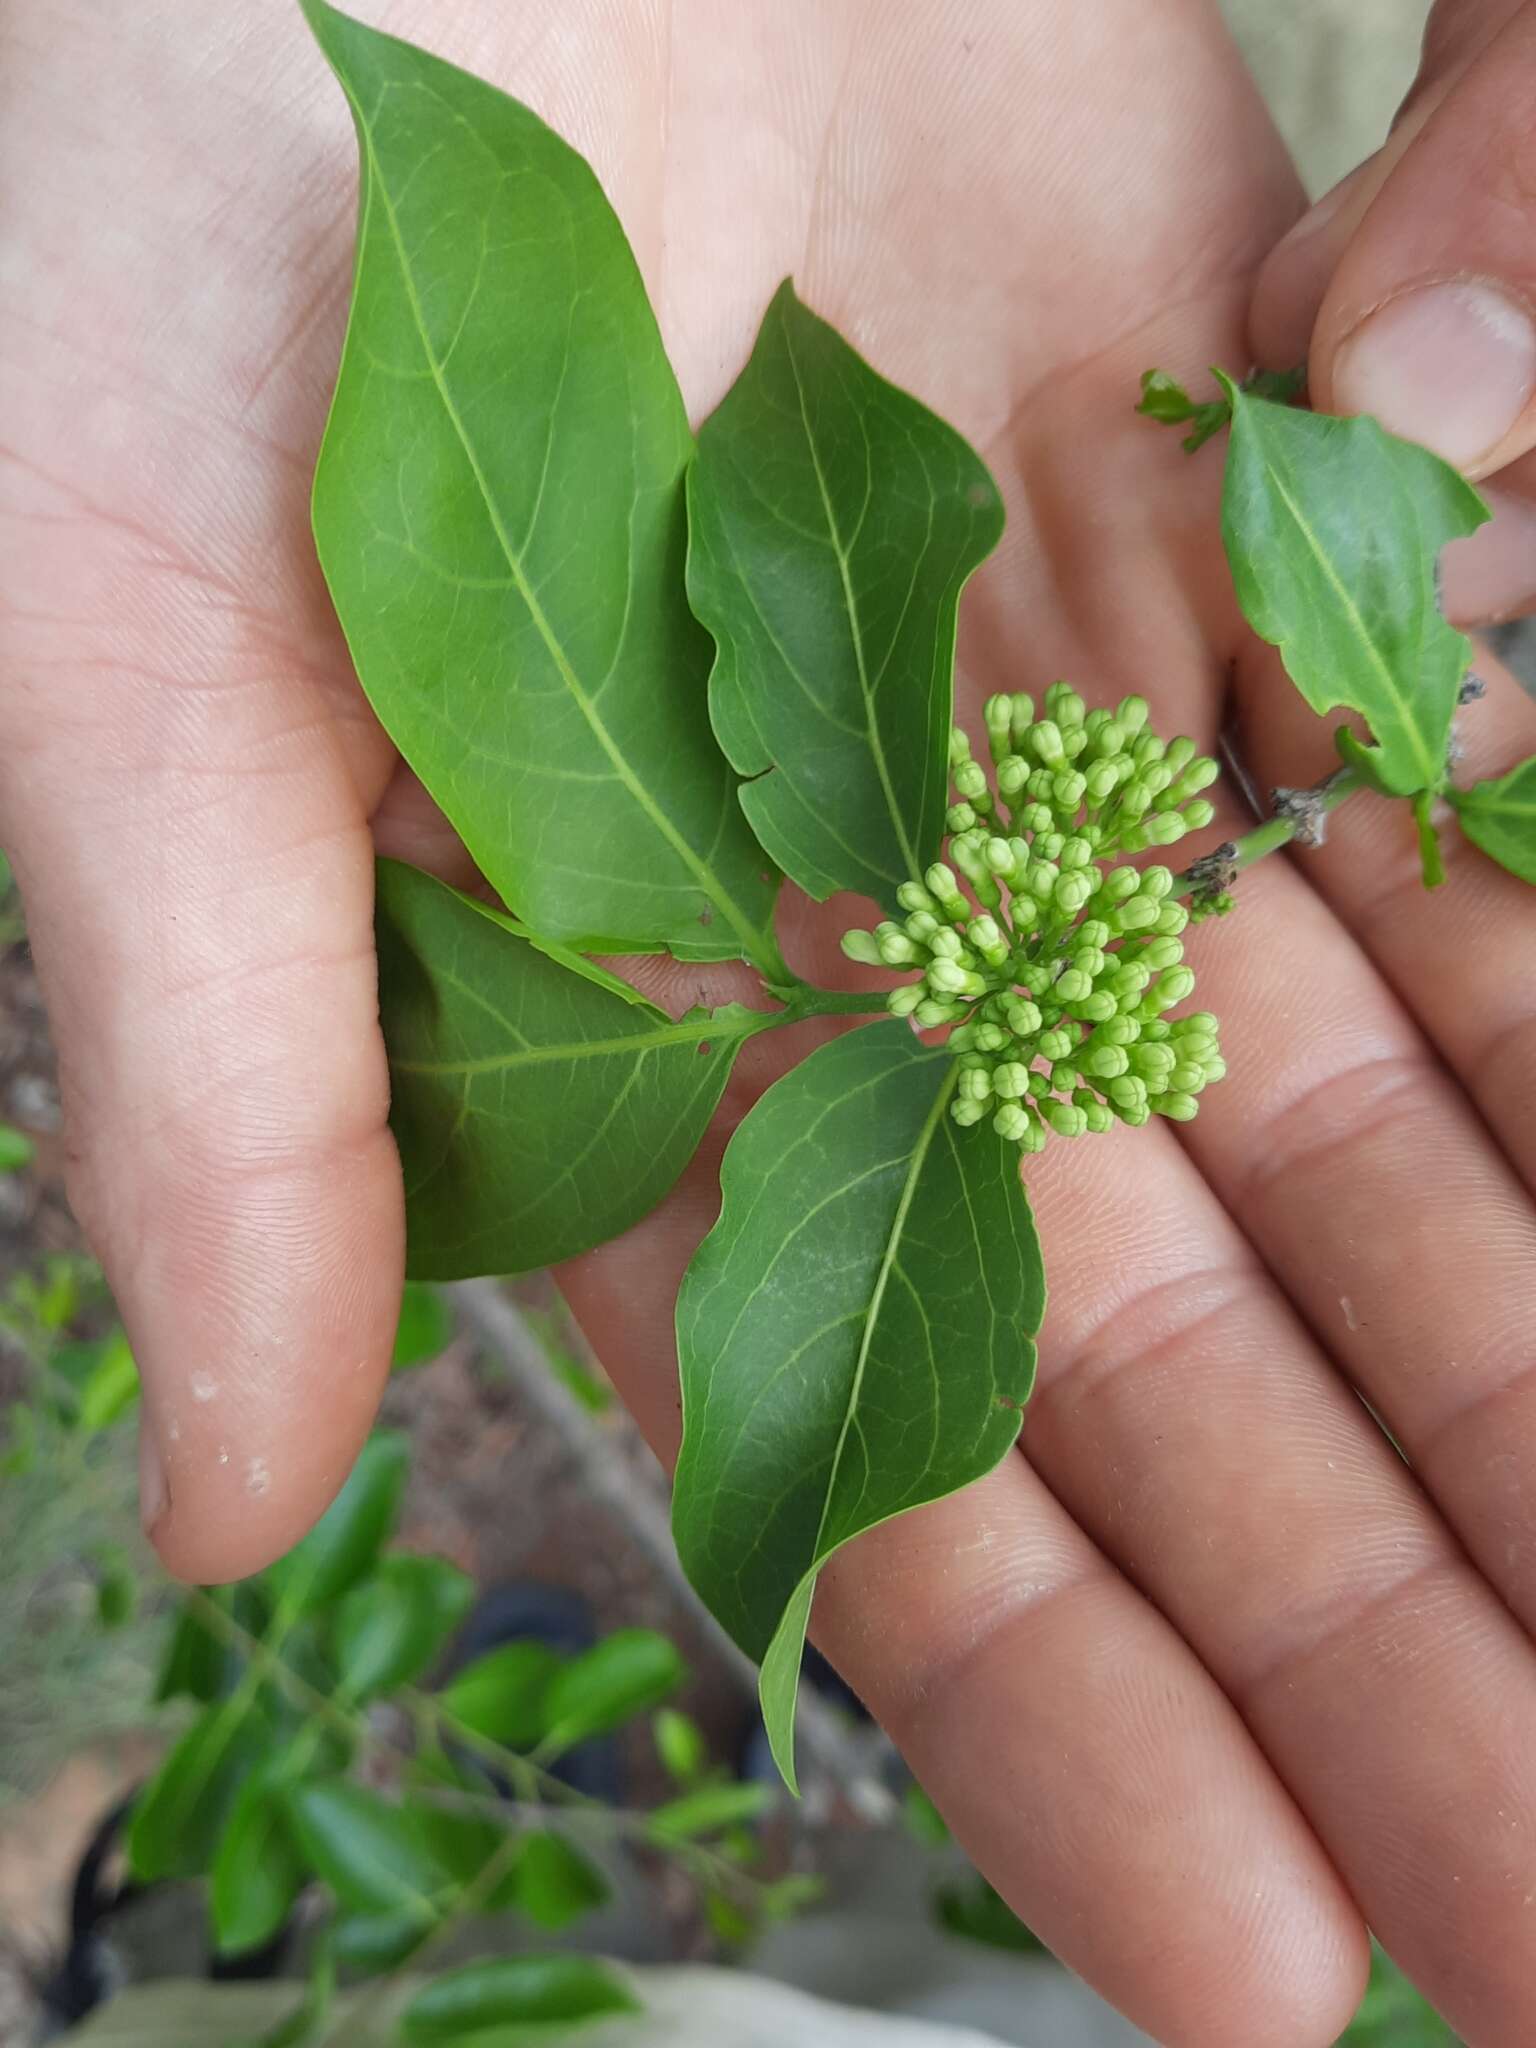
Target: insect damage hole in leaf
872,1287
499,511
833,521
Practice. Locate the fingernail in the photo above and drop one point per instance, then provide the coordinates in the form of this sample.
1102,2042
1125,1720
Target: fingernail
154,1494
1450,365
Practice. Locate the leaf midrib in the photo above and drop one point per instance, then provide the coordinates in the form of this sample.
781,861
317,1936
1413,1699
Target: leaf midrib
701,1032
915,1166
1408,722
876,744
709,881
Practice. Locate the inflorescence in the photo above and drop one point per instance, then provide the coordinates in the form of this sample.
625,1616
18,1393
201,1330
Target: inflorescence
1056,968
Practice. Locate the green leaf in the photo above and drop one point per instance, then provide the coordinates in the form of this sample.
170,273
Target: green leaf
392,1627
974,1911
924,1821
197,1661
117,1589
833,521
1500,817
516,1991
180,1814
111,1388
258,1870
1333,531
540,1106
625,1674
1394,2015
499,510
680,1744
707,1810
348,1537
367,1943
16,1149
376,1857
501,1695
425,1328
854,1334
553,1884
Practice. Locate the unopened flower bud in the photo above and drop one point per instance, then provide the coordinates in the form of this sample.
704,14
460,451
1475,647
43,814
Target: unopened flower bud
863,947
1055,1044
901,1002
1045,742
1011,1121
1074,853
959,746
1023,717
1100,783
970,780
1067,791
1199,814
923,925
1175,985
959,818
1188,1077
933,1011
1072,986
1098,1116
966,1112
1180,1107
1010,1079
943,886
976,1086
1137,913
1066,1119
1108,1062
1072,891
1161,953
1172,918
1180,752
1022,1016
1133,712
913,896
1013,772
997,716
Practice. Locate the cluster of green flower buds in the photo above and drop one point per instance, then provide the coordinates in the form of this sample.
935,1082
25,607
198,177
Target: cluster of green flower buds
1054,963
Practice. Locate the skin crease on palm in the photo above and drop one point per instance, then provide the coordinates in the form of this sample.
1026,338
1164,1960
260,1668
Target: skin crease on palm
1204,1678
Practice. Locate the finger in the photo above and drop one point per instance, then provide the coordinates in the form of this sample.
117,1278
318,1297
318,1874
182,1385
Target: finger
1294,280
1429,318
1200,1439
1462,958
1491,575
190,831
1122,1810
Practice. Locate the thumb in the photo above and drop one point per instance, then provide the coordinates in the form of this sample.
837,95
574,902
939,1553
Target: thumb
1417,277
197,870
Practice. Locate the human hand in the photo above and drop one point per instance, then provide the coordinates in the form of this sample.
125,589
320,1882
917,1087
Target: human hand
1206,1644
1410,288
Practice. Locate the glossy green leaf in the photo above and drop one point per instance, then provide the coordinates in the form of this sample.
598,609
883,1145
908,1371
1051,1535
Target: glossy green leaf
680,1744
180,1814
1500,817
708,1809
258,1868
16,1149
376,1855
348,1537
553,1884
111,1388
499,509
855,1334
540,1106
392,1627
425,1328
1333,531
502,1694
197,1661
367,1943
625,1674
833,521
516,1991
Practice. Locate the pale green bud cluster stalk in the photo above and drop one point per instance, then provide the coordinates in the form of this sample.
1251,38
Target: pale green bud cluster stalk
1054,962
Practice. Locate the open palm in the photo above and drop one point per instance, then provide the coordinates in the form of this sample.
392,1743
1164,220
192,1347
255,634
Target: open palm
1208,1673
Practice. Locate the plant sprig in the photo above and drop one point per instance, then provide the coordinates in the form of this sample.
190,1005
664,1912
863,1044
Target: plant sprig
532,574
